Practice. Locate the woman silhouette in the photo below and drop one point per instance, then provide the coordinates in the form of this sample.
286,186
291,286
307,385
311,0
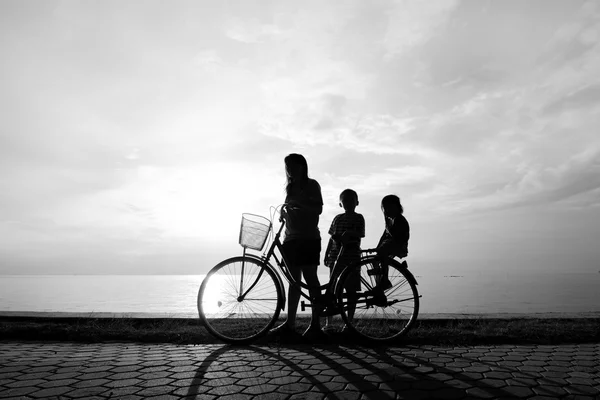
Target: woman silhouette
302,241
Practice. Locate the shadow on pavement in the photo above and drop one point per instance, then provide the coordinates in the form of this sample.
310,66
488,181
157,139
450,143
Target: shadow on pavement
331,371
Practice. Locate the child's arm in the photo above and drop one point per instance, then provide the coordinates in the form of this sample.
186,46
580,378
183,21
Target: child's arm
395,239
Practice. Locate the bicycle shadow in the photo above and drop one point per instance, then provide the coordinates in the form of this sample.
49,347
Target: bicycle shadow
327,371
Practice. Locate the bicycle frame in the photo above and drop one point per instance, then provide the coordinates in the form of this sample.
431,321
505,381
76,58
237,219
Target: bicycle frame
283,262
283,265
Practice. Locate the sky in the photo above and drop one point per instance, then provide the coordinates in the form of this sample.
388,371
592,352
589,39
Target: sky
134,134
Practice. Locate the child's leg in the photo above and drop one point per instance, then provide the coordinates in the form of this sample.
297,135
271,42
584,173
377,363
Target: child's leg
384,253
329,319
352,287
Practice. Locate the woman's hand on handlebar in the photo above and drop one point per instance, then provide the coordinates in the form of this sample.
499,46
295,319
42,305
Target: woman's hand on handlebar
291,206
285,208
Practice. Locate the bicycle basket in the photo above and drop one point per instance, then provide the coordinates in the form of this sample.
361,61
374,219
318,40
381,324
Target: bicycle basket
254,231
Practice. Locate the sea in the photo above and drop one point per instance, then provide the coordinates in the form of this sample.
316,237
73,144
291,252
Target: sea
176,295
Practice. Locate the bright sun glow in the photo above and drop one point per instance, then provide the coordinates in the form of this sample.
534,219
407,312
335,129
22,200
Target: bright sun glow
201,202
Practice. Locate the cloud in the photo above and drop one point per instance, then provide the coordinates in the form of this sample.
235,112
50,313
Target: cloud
250,30
588,96
208,60
412,23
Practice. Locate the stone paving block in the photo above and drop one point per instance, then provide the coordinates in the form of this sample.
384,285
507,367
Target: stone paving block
51,392
25,383
123,375
215,374
125,368
491,382
96,368
497,375
518,391
8,377
59,382
220,381
284,380
582,390
225,390
528,382
471,376
18,392
298,388
155,391
155,382
260,389
549,390
45,368
39,375
148,376
122,383
87,392
187,393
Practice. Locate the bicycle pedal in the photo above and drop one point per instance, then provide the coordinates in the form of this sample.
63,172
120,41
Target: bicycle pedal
304,306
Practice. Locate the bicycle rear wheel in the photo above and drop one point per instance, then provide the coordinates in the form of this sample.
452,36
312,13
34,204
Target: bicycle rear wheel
379,315
239,300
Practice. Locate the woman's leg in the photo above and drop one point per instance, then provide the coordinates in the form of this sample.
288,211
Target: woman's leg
293,297
312,280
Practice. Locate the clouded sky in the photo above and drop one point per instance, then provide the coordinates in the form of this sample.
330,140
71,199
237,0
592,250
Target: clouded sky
133,134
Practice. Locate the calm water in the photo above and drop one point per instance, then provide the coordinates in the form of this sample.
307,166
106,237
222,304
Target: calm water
176,294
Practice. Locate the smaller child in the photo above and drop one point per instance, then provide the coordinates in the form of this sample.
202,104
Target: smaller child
346,231
394,241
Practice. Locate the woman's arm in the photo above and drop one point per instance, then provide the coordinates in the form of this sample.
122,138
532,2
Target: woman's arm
311,201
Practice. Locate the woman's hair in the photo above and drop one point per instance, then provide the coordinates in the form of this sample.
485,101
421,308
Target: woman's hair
295,159
392,200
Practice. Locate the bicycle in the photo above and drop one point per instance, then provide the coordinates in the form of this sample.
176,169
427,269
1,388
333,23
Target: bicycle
240,299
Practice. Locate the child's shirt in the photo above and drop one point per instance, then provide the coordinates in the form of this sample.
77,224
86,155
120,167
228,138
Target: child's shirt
395,236
341,223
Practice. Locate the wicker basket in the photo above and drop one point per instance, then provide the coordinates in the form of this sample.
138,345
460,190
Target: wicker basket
254,231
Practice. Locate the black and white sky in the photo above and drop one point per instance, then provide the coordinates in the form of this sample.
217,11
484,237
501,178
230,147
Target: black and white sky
133,134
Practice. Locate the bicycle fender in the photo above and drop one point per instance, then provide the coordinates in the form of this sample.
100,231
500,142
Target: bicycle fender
404,267
401,265
277,275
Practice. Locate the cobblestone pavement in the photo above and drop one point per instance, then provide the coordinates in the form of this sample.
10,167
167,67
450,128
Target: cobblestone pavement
168,371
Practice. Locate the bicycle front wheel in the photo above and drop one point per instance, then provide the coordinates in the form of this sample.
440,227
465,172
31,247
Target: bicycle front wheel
239,300
377,312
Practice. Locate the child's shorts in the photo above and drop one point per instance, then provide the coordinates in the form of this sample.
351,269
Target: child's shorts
299,252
